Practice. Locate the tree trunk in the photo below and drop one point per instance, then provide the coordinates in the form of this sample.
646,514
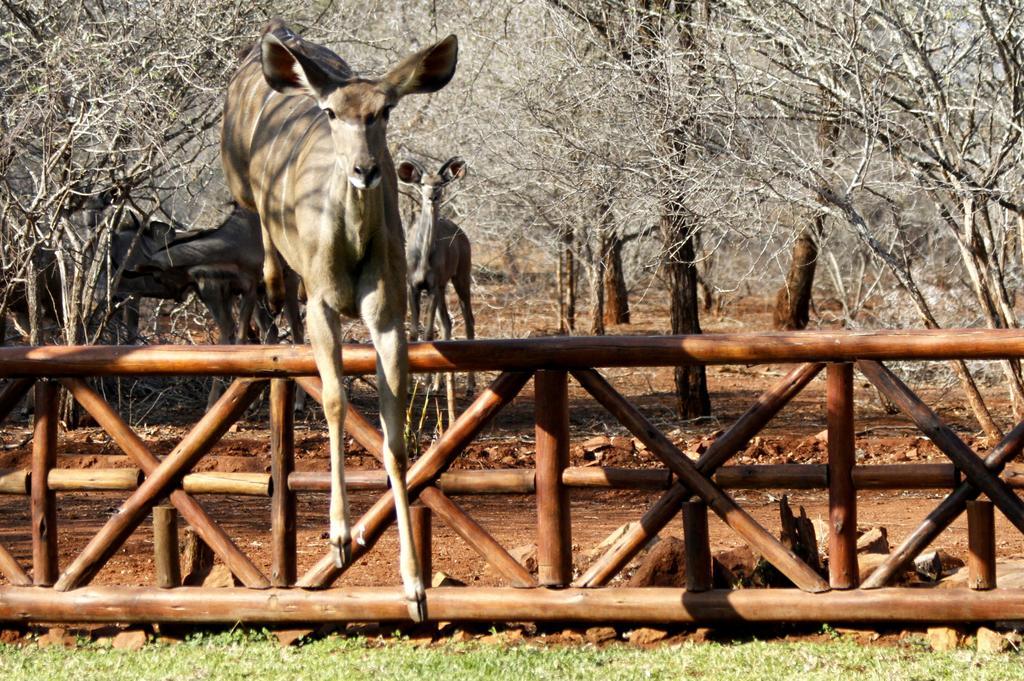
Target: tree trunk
616,303
597,288
793,301
677,229
566,285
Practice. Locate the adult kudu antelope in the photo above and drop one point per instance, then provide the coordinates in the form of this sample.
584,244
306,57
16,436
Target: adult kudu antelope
304,145
437,251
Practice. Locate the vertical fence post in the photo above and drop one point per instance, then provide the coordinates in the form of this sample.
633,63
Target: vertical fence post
981,545
44,501
842,497
165,546
419,517
283,570
554,537
697,545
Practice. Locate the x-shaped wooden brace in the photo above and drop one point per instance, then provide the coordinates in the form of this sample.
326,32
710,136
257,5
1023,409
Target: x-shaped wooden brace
695,479
421,480
161,478
982,475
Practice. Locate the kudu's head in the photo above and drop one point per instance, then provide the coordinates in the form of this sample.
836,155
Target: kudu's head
358,108
431,185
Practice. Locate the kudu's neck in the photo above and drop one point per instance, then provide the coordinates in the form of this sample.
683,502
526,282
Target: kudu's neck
424,236
360,213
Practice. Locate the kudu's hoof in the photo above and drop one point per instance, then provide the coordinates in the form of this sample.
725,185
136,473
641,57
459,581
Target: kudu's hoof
417,604
341,552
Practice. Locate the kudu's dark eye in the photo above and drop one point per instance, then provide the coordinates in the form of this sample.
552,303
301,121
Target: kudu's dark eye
330,113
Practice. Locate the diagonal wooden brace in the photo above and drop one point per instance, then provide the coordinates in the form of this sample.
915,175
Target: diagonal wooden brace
12,570
930,424
424,472
232,404
945,513
721,503
193,513
477,537
721,450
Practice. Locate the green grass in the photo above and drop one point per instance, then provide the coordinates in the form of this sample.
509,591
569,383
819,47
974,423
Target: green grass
254,655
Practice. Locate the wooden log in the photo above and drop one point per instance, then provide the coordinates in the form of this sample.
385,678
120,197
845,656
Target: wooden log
496,604
12,394
423,472
190,510
842,496
283,570
14,481
944,514
721,450
905,476
693,478
495,481
94,479
697,546
197,558
981,545
419,518
580,352
232,404
44,500
554,525
615,478
773,476
972,466
165,546
477,537
239,484
521,481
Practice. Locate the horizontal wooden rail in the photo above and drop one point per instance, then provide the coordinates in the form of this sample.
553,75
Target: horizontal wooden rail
490,604
514,480
521,354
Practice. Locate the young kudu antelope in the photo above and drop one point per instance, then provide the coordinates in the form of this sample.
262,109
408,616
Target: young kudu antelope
438,251
304,145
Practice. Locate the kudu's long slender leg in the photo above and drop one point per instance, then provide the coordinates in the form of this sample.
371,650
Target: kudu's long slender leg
326,339
446,332
291,310
462,282
216,295
383,311
414,313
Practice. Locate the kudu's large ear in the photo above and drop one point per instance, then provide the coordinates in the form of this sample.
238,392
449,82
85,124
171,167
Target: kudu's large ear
409,172
291,73
453,169
428,70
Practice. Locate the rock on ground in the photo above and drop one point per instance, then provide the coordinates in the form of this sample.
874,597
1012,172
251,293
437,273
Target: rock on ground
665,565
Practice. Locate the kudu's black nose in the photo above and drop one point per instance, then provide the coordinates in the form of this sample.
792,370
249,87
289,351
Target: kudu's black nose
368,174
